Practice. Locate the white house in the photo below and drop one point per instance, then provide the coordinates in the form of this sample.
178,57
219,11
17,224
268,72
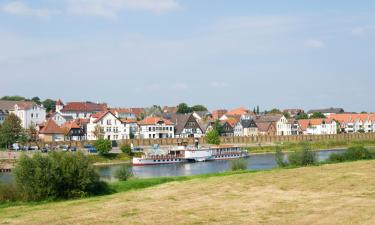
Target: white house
186,125
28,112
110,126
155,128
61,119
246,128
355,122
283,127
79,110
318,126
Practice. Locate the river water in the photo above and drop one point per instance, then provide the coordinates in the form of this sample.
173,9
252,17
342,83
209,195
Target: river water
254,162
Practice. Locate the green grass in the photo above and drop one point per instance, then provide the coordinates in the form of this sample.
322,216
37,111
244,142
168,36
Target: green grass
315,145
109,158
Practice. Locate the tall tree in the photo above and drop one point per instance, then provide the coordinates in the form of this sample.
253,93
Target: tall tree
183,108
317,115
11,130
302,116
49,104
275,111
37,100
218,127
213,137
32,132
197,108
258,110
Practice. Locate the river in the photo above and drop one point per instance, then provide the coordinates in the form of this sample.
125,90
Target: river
254,162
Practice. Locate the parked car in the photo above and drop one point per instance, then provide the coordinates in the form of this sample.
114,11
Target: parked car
90,148
16,147
34,147
72,149
44,150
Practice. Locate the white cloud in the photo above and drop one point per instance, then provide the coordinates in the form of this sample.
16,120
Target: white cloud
20,8
112,8
361,31
314,43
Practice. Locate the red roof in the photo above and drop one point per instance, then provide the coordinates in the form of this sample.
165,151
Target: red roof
238,111
304,124
154,121
84,107
51,127
70,125
350,118
128,120
232,121
99,115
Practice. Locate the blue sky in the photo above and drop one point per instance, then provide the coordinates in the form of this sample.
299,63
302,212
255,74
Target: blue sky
285,54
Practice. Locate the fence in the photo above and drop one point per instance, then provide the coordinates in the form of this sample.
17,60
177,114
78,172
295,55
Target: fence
231,140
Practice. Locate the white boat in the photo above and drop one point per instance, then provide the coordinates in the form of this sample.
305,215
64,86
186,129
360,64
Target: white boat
182,154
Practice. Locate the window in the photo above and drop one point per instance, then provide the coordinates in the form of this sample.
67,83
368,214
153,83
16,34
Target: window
32,115
109,122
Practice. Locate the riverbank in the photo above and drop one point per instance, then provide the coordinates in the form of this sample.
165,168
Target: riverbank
315,145
327,194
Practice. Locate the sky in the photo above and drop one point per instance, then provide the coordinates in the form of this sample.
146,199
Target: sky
222,54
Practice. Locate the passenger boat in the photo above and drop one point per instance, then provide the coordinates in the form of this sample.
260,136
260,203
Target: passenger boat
182,154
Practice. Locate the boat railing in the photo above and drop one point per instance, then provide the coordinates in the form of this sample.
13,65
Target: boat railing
157,157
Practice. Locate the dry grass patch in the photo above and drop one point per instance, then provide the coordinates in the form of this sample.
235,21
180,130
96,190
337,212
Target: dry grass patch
329,194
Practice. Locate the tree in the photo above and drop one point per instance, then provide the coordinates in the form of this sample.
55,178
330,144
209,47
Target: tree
32,132
258,110
37,100
213,137
302,116
183,108
11,130
124,173
197,108
49,104
154,110
98,132
218,127
286,114
103,146
274,111
126,149
317,115
254,111
14,98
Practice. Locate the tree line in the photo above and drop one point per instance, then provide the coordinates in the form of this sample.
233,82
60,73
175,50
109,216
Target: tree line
48,104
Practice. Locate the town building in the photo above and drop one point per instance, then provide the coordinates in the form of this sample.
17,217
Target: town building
283,127
318,126
30,113
294,112
217,114
73,131
60,119
79,110
106,125
202,115
49,131
156,128
355,122
124,113
326,112
186,125
266,128
228,126
3,114
246,128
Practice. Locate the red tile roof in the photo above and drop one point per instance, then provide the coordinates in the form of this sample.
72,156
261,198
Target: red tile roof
51,127
128,120
99,115
84,107
350,118
238,111
70,125
304,124
154,121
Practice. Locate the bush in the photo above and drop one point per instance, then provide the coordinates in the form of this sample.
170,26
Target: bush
58,175
213,137
279,157
103,146
126,149
303,157
352,154
239,164
124,173
9,192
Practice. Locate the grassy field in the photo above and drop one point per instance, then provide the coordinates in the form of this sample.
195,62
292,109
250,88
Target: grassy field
316,145
327,194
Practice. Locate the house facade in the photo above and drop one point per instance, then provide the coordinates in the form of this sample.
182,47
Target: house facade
79,110
73,131
156,128
283,127
246,128
355,122
3,115
51,132
318,126
29,112
186,125
266,128
109,125
60,119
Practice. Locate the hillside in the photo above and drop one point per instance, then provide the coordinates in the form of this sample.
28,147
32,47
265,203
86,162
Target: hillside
329,194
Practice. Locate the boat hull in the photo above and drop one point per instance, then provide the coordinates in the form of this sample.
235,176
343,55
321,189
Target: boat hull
146,162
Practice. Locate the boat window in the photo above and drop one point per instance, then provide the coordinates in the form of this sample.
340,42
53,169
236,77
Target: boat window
154,160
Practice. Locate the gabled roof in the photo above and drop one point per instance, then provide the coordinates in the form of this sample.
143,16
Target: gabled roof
84,107
269,118
238,111
264,126
70,125
154,121
232,121
350,118
99,115
50,127
9,105
247,123
304,124
180,121
128,120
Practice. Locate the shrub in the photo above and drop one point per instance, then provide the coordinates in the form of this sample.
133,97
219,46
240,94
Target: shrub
103,146
9,192
279,157
213,137
303,157
126,149
351,154
239,164
124,173
58,175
